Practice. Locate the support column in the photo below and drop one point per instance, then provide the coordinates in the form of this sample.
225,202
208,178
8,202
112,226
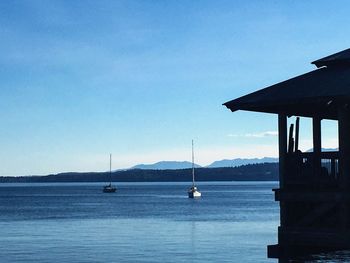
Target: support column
316,132
344,161
282,144
344,146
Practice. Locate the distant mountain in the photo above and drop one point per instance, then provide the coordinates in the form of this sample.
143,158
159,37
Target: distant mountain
165,165
239,162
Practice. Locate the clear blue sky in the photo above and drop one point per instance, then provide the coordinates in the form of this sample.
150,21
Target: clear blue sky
140,79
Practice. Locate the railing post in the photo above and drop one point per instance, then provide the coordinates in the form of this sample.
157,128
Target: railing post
333,170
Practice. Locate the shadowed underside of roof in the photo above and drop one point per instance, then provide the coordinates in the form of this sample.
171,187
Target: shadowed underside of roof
317,93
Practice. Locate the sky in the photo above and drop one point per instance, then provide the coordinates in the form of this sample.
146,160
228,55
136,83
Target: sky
141,79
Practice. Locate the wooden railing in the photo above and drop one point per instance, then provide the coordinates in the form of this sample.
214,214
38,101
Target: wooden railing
305,169
330,161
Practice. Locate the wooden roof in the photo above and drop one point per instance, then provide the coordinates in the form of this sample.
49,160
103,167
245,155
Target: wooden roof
317,93
342,57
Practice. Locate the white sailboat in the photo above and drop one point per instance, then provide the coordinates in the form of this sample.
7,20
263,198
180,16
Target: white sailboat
109,188
193,192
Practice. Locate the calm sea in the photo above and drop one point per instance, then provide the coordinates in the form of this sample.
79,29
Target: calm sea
141,222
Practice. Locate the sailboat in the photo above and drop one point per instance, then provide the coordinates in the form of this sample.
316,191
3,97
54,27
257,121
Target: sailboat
193,192
109,188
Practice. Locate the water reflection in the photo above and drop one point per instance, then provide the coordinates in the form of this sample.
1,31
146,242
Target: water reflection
337,256
333,257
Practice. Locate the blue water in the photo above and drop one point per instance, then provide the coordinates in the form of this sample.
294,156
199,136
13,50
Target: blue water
141,222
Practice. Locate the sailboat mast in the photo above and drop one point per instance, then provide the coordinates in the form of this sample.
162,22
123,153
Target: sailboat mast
192,165
110,168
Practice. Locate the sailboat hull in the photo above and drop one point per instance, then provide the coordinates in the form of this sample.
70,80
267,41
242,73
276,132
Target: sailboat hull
194,194
109,189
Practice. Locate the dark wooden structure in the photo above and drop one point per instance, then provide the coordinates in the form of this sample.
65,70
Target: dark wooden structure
314,192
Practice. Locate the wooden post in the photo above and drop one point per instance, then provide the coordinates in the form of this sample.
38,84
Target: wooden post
333,170
282,144
344,146
316,131
344,160
291,139
297,134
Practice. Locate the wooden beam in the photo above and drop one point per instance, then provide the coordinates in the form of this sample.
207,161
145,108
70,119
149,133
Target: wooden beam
315,237
316,213
308,196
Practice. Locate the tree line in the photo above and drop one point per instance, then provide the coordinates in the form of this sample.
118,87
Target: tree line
250,172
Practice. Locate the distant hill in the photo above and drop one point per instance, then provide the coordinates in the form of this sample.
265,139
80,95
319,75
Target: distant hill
239,162
251,172
165,165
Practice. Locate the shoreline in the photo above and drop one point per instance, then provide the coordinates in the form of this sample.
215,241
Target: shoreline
250,172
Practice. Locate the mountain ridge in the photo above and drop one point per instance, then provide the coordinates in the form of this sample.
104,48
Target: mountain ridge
173,165
166,165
